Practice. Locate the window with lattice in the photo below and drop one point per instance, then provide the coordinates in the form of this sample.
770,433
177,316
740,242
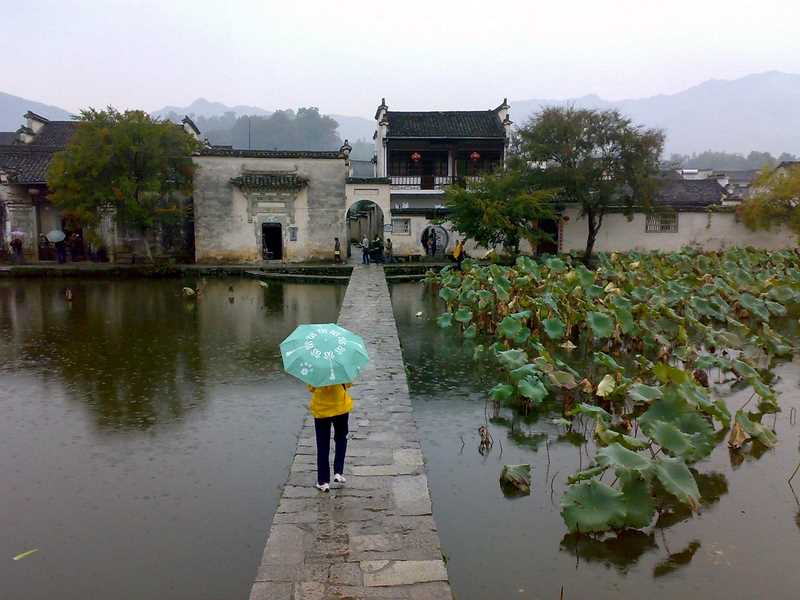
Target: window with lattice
662,223
401,226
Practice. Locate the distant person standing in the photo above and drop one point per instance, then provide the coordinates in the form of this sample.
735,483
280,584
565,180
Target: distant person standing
61,252
337,251
364,251
389,258
16,250
458,253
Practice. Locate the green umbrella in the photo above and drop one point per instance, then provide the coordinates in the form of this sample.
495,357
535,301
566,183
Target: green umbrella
323,354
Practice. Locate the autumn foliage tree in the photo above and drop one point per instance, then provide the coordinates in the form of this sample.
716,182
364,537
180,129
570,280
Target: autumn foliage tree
138,167
775,201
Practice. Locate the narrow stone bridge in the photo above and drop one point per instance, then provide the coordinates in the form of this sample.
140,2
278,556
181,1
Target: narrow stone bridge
375,537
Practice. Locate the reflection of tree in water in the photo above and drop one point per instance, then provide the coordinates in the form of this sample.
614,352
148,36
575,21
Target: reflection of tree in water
127,349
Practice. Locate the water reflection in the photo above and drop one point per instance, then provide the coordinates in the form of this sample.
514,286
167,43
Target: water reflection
138,353
144,434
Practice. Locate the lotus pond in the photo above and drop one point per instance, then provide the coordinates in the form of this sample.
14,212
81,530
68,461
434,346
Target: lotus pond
644,481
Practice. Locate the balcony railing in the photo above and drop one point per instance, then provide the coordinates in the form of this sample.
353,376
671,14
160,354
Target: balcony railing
428,182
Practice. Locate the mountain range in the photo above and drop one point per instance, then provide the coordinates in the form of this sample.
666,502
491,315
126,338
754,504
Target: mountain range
755,112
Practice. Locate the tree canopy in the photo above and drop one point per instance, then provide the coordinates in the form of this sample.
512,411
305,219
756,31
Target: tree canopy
729,161
775,201
137,166
596,159
499,209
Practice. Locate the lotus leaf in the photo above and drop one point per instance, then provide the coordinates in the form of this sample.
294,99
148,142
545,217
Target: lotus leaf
556,265
512,359
678,480
754,306
554,328
585,474
585,276
518,476
448,294
637,498
593,411
622,459
756,430
471,331
590,506
603,359
640,392
533,389
529,370
510,327
463,315
501,392
602,325
563,379
783,294
606,386
529,266
445,320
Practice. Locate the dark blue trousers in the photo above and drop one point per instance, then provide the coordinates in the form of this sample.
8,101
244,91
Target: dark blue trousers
322,427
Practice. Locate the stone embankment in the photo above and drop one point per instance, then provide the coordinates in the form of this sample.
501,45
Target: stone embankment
375,537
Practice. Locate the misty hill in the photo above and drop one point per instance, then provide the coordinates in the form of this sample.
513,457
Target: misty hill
756,112
12,108
205,108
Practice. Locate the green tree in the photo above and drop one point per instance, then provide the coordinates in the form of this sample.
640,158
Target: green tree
775,200
137,166
597,159
499,208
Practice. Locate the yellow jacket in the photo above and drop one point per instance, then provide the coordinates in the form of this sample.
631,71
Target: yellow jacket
330,400
458,250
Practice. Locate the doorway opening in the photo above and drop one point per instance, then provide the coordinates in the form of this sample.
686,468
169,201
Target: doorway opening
364,220
550,244
271,241
434,240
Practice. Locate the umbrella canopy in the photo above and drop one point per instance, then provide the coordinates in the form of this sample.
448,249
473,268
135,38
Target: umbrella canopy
55,236
17,233
323,354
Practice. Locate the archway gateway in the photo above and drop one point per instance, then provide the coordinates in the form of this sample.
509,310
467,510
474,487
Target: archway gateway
364,219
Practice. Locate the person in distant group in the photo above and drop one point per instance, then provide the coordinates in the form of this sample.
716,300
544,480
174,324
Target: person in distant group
337,251
365,251
458,253
377,245
388,251
429,245
16,249
61,252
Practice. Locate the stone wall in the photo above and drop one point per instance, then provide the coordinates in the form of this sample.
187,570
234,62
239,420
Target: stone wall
228,219
709,231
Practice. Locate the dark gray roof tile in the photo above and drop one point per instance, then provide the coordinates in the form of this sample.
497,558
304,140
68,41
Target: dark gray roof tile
445,124
689,193
26,163
55,133
234,152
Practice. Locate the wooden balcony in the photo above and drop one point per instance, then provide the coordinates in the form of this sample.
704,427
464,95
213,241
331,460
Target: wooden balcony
427,182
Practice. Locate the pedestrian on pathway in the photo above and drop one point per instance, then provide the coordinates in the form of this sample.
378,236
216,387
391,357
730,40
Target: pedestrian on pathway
365,251
330,406
61,252
337,251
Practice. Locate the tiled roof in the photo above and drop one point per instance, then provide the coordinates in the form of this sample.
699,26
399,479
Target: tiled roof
26,163
7,138
445,124
55,133
689,193
234,152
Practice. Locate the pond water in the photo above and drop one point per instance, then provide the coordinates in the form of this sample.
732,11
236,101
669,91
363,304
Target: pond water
144,435
744,543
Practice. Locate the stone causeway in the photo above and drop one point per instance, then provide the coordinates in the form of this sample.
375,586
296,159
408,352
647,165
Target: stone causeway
375,537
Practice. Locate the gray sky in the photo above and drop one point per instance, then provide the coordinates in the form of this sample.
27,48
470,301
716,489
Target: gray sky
344,55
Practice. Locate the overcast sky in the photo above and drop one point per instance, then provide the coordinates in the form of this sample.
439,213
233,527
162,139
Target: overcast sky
344,55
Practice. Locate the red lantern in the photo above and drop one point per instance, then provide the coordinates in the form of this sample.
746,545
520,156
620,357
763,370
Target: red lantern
475,156
416,156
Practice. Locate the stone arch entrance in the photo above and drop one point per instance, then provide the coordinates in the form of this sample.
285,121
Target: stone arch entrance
364,219
434,240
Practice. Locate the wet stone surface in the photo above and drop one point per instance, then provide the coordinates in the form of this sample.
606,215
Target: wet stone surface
375,537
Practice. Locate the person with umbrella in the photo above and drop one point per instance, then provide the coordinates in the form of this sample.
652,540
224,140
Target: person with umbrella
57,236
327,358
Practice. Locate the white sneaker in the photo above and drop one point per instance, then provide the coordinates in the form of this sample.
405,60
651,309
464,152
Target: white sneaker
323,487
337,478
